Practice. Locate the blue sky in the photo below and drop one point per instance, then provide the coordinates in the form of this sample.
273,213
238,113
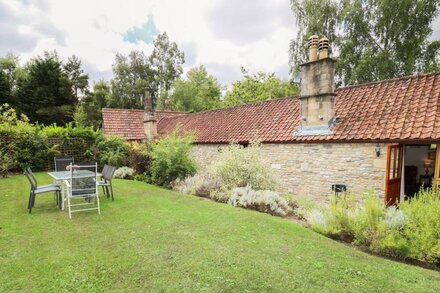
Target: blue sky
223,35
145,33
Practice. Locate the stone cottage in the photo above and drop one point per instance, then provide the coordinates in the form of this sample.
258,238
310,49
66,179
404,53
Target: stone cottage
380,135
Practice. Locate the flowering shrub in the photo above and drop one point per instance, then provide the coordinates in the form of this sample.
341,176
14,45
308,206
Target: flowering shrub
237,166
201,185
409,231
261,200
187,185
124,173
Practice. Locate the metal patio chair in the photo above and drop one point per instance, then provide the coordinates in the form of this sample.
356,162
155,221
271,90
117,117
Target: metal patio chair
82,184
36,190
106,183
62,162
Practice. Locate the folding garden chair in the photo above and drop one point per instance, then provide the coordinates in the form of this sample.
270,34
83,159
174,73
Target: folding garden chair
106,182
62,162
82,184
36,190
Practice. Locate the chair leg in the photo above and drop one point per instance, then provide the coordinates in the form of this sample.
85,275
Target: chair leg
111,189
107,191
32,202
103,189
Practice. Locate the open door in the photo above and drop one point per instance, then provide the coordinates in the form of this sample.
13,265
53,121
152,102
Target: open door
436,181
393,174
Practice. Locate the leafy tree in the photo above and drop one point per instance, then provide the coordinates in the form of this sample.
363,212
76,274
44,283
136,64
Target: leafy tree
135,72
77,77
200,91
44,93
166,63
259,87
5,89
132,74
9,68
89,110
375,39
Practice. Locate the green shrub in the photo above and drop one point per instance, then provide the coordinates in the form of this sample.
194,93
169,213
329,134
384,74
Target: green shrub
261,200
142,178
409,231
221,195
138,157
124,173
390,242
21,142
6,164
110,150
172,158
338,221
368,219
422,226
237,166
200,184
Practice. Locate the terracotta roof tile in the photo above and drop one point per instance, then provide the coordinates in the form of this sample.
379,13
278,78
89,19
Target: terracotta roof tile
405,108
128,123
402,108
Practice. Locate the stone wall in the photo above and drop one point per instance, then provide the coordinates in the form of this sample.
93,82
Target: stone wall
311,169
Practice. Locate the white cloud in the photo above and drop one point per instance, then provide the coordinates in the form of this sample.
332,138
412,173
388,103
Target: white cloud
210,31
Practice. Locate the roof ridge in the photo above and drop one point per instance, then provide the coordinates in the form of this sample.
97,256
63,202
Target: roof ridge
233,107
394,79
121,109
297,96
167,111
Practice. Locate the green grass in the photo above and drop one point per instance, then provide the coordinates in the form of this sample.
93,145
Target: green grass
152,239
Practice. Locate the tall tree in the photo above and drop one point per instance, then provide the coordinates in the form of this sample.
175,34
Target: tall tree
44,94
259,87
77,77
5,89
9,71
375,39
132,74
166,62
89,110
200,91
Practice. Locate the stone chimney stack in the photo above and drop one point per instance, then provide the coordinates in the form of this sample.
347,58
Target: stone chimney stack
150,125
323,48
317,90
313,48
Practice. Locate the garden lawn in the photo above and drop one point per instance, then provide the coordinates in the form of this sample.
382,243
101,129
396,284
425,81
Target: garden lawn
153,239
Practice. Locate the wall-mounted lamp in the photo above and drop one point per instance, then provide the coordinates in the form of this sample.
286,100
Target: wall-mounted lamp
377,149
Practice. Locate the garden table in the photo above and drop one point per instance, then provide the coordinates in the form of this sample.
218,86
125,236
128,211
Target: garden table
61,177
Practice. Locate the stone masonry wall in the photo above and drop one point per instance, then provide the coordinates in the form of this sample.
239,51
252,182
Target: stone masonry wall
311,169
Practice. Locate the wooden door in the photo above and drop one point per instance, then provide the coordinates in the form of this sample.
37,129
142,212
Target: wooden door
436,181
393,174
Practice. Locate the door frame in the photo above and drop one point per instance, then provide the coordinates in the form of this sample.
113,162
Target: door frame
395,155
436,180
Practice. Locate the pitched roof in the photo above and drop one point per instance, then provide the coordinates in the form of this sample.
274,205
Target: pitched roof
129,123
405,108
